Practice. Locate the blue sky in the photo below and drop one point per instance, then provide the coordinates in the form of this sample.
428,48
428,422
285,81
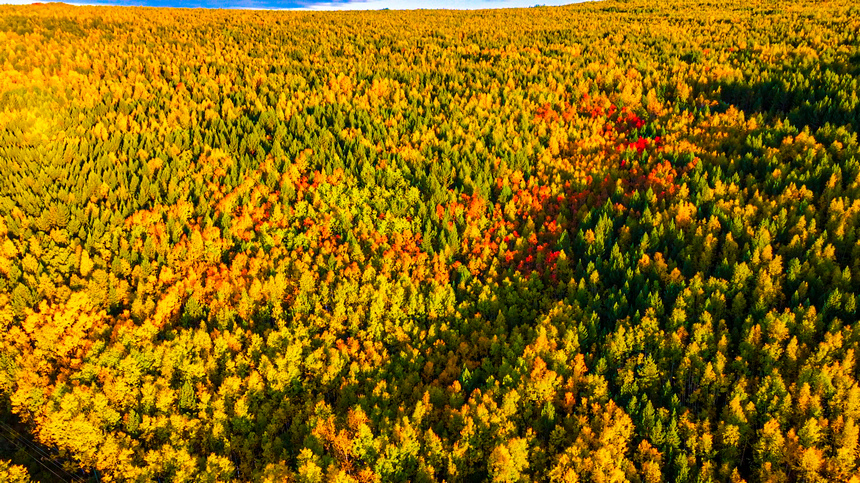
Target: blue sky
319,4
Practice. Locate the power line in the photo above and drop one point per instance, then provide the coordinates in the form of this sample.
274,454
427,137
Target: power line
41,453
26,440
33,457
28,446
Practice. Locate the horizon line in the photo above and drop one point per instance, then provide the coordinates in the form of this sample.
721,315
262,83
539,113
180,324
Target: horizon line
360,5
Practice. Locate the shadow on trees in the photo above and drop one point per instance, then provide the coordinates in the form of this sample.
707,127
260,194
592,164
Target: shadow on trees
43,463
809,97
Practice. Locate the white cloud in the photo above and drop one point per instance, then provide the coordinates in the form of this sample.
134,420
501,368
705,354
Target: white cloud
431,4
361,4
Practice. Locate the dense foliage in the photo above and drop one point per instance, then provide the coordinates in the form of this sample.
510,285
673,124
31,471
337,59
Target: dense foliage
605,242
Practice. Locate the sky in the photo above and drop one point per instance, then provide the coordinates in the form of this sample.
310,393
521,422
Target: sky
319,4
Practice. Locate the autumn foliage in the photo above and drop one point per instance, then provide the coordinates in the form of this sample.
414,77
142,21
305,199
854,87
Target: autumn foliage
613,241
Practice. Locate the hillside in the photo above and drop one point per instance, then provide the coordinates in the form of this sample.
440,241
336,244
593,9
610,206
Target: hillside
607,242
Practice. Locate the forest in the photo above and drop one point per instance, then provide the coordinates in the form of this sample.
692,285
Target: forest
607,242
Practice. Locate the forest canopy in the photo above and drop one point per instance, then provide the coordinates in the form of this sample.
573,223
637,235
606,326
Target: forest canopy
613,241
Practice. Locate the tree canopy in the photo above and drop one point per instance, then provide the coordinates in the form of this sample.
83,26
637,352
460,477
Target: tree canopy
613,241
